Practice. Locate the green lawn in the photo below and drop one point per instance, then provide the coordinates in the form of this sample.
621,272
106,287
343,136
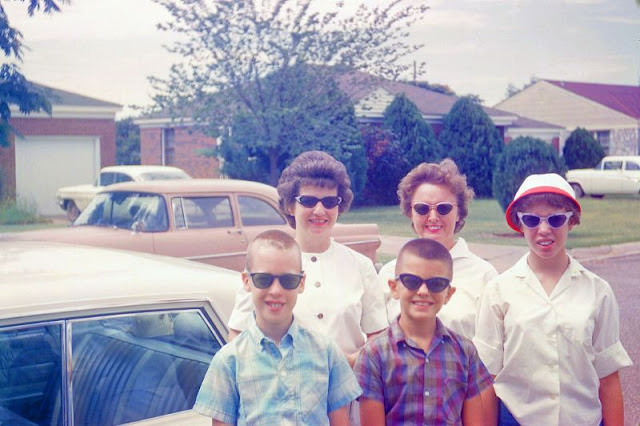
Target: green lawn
611,220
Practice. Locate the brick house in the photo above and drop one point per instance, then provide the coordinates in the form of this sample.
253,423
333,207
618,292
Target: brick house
66,148
176,142
611,112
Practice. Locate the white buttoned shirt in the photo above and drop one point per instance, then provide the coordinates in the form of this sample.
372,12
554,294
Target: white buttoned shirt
342,298
470,275
548,352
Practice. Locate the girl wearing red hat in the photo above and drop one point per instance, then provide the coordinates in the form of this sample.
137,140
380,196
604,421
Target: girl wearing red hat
547,328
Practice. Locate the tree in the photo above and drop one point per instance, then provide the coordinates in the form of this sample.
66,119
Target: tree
127,142
230,47
581,150
434,87
469,137
303,116
14,87
417,142
520,158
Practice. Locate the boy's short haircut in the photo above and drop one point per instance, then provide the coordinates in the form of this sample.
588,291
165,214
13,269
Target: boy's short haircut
272,238
426,249
548,188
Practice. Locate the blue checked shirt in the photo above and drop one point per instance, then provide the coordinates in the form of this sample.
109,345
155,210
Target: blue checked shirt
251,380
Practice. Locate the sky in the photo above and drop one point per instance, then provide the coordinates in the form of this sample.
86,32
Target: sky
106,49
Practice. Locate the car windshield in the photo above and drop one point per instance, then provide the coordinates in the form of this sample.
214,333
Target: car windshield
127,210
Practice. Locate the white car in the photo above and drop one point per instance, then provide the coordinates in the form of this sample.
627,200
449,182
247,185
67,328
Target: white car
74,199
612,175
91,335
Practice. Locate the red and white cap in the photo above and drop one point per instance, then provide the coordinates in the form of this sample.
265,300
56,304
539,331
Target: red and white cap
538,184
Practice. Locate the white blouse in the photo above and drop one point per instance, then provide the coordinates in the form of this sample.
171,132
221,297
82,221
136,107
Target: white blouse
549,352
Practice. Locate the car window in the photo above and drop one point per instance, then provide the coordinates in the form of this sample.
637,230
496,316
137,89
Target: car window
612,165
30,375
124,368
107,178
630,165
257,212
148,212
121,177
202,212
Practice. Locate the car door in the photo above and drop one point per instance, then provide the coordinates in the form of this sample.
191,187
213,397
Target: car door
259,214
205,229
631,182
610,180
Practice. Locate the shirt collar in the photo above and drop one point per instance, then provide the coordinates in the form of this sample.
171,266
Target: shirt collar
397,336
259,339
460,249
521,268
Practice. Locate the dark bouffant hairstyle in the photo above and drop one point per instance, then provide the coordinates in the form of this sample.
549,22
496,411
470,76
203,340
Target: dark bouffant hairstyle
313,168
445,173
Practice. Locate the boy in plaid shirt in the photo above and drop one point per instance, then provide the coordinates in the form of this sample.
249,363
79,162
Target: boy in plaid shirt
418,371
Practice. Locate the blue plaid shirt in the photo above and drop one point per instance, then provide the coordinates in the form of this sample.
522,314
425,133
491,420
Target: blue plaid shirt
416,387
251,380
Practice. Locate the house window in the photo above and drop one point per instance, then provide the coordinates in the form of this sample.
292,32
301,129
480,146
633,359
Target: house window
169,147
603,137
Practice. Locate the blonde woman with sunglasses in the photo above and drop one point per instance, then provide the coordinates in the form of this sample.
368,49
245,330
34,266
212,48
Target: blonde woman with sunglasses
435,197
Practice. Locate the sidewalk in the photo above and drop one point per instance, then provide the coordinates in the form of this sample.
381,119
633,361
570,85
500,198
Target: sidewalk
504,256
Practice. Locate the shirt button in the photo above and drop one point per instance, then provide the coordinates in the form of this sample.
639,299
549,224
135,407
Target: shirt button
313,258
426,393
317,284
320,315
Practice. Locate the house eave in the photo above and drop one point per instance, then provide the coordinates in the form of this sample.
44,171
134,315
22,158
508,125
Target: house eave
58,111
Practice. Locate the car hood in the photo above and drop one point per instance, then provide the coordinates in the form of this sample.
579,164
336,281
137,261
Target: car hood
72,234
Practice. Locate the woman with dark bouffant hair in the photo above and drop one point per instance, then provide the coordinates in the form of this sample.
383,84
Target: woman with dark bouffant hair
435,197
342,297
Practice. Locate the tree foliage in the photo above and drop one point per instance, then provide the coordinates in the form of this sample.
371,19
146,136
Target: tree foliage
229,48
470,138
127,142
302,116
581,150
14,87
416,140
520,158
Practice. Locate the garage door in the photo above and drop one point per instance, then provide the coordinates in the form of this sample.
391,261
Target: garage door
45,163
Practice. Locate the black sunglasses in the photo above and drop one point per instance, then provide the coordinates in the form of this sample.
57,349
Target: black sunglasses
555,220
434,284
264,280
443,209
310,201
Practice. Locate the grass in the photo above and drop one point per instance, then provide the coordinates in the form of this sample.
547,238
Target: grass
610,220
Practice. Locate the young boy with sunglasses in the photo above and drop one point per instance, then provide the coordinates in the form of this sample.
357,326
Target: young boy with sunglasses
276,371
547,328
418,371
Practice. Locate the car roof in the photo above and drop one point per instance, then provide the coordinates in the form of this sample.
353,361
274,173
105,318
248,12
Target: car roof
137,170
622,157
40,278
195,186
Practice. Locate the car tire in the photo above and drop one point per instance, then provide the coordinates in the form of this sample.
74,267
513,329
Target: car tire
578,190
597,195
72,211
